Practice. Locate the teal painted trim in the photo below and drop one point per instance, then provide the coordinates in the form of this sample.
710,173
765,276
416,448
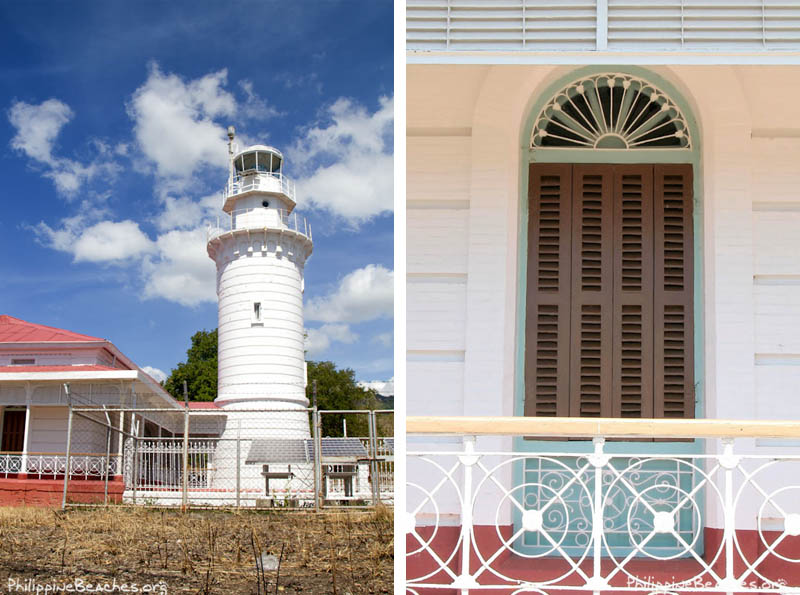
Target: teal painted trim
626,156
575,155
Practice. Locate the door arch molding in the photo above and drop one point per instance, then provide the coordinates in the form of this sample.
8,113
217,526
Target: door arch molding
577,155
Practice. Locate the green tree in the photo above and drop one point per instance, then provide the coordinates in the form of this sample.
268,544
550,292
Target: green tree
337,389
199,370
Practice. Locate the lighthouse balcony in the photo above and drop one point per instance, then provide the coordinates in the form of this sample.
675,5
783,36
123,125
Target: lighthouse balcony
257,181
258,219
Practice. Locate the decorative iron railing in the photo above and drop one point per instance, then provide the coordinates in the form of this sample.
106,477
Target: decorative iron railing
552,519
159,463
53,465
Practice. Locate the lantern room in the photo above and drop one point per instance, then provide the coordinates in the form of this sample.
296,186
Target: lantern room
258,159
254,172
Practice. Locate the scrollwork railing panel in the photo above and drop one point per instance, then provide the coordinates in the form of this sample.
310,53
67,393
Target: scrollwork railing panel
600,523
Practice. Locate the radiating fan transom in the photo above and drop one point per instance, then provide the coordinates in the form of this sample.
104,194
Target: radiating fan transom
611,111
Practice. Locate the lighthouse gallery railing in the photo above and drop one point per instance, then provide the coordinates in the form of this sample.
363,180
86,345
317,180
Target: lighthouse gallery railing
257,219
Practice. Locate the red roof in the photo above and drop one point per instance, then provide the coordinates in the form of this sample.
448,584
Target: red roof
14,330
87,368
201,404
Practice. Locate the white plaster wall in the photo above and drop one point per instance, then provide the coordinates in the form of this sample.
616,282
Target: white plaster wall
751,219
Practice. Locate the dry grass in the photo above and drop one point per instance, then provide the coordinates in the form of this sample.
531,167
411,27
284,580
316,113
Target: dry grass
200,551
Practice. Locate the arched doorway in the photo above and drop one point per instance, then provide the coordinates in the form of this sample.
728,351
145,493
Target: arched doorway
609,294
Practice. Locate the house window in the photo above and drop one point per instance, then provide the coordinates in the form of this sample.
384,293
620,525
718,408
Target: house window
23,362
609,322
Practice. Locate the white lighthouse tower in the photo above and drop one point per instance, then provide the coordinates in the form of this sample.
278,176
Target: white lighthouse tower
260,248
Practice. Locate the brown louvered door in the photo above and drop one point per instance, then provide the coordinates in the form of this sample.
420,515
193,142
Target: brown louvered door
592,291
548,297
632,342
674,283
609,304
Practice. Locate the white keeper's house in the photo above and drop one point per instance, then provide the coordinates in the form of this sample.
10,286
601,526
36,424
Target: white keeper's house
603,211
36,361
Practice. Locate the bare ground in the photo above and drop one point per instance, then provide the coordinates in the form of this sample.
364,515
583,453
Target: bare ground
200,551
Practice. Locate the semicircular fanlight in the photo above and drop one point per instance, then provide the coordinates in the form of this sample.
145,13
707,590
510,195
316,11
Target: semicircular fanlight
611,111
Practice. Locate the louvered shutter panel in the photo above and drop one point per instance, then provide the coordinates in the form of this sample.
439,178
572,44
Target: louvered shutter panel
501,25
548,296
592,291
632,329
673,303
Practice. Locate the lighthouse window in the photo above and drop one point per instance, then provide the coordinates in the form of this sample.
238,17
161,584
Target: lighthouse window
264,203
249,161
256,312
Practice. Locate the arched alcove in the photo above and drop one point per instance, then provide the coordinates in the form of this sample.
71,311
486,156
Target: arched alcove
610,258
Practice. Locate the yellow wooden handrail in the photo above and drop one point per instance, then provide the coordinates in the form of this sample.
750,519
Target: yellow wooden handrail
585,427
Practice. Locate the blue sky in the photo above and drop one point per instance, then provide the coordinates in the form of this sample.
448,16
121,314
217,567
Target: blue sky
112,157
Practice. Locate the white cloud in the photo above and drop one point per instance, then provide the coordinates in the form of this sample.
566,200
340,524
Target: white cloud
318,340
181,271
385,339
347,165
175,266
364,294
384,388
254,106
106,241
182,212
174,121
155,373
69,175
38,126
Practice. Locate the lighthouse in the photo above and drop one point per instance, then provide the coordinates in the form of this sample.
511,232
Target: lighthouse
260,247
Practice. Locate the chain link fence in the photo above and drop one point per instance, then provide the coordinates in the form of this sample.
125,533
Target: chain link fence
136,450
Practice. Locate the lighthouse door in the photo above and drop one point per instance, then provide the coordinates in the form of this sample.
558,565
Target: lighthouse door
609,304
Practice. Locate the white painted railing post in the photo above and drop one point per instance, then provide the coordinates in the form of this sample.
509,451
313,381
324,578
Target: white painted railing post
729,461
598,460
465,581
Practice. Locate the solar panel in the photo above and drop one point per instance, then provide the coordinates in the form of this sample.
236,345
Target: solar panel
278,450
350,448
301,450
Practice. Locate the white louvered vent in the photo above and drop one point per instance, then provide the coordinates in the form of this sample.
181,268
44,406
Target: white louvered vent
501,24
703,24
557,25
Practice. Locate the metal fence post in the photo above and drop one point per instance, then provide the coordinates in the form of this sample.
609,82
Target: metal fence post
108,455
373,457
315,429
135,471
69,447
238,464
318,496
185,486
